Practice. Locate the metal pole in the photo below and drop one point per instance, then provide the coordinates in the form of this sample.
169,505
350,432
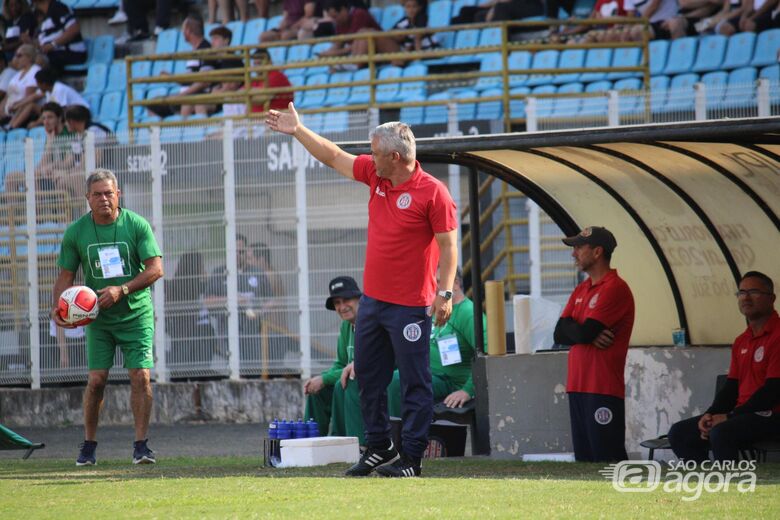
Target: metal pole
613,108
158,294
534,248
32,264
476,265
531,124
231,258
700,101
302,232
762,98
453,170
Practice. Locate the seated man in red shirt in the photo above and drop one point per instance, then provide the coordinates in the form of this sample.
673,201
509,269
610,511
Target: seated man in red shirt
352,20
747,408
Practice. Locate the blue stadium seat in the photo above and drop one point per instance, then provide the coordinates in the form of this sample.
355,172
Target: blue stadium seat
543,60
193,133
182,45
490,109
739,50
596,106
568,107
163,65
544,106
413,115
155,92
273,22
167,41
767,47
682,53
278,54
715,87
490,37
360,93
659,92
237,28
569,59
681,94
388,92
446,39
252,31
519,60
741,88
491,62
171,134
93,99
96,78
437,113
297,81
102,49
376,12
37,134
464,39
338,96
439,13
111,105
314,98
390,16
772,73
709,57
300,52
141,69
596,59
629,103
466,111
117,76
625,57
658,51
335,122
413,89
16,135
313,122
180,67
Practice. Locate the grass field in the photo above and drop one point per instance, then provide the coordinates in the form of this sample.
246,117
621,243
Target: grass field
454,488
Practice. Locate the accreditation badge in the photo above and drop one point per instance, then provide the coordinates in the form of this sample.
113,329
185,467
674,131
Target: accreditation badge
449,351
110,262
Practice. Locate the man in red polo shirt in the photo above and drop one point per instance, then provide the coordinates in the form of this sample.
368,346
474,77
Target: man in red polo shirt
412,223
747,408
597,323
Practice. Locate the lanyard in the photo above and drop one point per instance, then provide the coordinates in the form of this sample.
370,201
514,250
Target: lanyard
94,226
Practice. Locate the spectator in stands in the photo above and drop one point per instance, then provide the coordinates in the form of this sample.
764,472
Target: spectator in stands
78,120
725,21
192,30
761,15
6,73
49,89
597,33
221,37
21,86
59,36
226,8
137,23
665,24
416,16
120,16
276,79
296,15
333,398
452,348
20,24
499,10
353,20
747,408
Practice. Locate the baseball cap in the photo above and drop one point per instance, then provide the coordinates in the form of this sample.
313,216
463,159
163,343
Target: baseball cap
593,236
342,287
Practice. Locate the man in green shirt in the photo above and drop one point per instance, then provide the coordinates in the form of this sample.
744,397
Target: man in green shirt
451,351
333,399
119,260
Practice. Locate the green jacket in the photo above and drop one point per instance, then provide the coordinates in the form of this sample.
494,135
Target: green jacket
345,353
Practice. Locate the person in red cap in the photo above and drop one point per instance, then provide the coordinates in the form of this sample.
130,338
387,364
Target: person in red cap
597,323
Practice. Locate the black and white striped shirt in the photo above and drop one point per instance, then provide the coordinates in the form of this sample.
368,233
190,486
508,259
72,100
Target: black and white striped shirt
58,18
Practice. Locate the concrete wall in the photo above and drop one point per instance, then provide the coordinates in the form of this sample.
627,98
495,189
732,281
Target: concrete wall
219,401
528,410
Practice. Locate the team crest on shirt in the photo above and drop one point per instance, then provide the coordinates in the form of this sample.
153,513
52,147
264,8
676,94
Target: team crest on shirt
603,415
593,301
412,332
404,201
758,356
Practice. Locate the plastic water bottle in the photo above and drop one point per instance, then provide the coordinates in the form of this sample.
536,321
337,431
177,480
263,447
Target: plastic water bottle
284,430
273,429
300,430
313,427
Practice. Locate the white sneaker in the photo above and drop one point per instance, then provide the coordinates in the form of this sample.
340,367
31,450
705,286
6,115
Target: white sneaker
118,19
158,30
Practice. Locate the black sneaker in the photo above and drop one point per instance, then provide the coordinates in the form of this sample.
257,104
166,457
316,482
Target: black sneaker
142,454
372,459
87,454
405,466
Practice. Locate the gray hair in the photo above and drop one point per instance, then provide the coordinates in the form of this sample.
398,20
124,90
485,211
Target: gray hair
28,50
101,174
396,136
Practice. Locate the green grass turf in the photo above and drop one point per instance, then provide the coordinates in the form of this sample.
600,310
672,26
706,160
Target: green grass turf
454,488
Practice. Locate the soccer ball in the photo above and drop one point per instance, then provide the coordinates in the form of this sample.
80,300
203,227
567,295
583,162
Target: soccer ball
78,305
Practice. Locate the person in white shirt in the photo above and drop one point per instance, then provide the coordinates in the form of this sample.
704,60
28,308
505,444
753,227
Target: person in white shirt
49,90
665,22
21,86
6,73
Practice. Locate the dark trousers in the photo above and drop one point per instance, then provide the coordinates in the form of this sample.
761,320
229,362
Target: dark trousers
598,427
726,439
136,14
386,336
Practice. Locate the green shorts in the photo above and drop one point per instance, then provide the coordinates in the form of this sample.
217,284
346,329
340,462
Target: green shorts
134,339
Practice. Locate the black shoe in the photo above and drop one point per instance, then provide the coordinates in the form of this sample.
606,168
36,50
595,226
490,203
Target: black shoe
372,459
142,454
405,466
87,454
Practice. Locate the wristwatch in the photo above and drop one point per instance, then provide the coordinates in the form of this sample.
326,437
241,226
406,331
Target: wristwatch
447,295
125,290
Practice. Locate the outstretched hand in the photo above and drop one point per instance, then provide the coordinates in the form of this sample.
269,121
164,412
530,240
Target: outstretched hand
284,122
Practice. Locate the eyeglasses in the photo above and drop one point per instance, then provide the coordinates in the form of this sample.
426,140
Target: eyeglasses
751,293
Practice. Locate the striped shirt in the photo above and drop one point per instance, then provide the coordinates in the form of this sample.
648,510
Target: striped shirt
58,18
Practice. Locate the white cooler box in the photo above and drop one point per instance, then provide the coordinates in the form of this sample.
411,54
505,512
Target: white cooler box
318,451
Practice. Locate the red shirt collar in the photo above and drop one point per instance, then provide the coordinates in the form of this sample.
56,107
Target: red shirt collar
410,182
771,324
612,273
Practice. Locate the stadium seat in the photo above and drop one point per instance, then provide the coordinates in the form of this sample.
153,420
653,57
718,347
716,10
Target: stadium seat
171,134
715,87
193,133
338,96
490,37
596,59
297,81
111,105
682,53
569,59
659,92
388,92
596,106
314,98
163,65
767,47
772,73
335,122
300,52
413,89
237,28
117,76
102,50
313,122
543,60
519,60
569,106
466,111
278,54
93,99
709,57
390,16
96,78
167,41
739,50
252,31
439,13
182,45
376,12
141,69
491,62
37,134
487,110
629,103
681,93
273,22
16,135
465,39
360,93
544,106
741,88
437,113
658,51
82,67
413,115
625,57
446,39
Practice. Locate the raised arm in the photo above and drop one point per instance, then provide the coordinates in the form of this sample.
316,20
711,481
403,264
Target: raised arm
322,149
